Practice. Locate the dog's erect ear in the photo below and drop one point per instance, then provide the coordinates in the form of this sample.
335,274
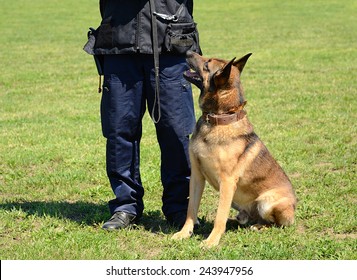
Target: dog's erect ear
240,63
221,76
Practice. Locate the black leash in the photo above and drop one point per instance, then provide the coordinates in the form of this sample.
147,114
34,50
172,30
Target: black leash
155,47
156,64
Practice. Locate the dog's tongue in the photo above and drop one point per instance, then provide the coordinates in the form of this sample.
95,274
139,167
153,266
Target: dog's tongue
193,77
190,74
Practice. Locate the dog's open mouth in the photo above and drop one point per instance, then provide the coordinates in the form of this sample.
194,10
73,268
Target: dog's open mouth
193,77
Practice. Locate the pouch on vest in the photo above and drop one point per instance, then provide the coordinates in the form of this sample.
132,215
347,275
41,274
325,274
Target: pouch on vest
181,37
181,34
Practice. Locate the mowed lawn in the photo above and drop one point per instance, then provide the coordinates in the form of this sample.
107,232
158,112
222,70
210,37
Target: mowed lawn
301,88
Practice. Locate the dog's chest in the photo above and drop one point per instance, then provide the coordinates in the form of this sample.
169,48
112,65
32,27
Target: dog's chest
217,155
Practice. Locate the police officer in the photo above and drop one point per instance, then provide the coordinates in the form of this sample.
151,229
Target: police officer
133,38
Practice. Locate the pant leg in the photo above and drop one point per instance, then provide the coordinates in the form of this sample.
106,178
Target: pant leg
122,109
176,123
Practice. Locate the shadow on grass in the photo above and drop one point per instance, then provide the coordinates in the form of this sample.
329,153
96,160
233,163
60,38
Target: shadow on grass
80,212
95,214
153,221
85,213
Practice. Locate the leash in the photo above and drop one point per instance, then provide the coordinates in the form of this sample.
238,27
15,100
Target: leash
156,64
173,18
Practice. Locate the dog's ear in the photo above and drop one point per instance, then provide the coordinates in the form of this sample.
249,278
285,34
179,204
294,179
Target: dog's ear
221,76
240,63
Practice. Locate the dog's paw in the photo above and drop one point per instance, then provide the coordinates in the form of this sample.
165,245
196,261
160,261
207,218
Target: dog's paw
209,243
181,235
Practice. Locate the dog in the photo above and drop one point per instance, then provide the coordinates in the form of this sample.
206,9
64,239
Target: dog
225,151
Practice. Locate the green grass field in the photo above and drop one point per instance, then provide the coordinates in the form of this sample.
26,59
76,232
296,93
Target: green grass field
301,89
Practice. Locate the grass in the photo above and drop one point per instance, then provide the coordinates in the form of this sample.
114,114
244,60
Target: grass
301,89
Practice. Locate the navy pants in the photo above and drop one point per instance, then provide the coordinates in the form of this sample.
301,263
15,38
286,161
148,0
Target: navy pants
128,89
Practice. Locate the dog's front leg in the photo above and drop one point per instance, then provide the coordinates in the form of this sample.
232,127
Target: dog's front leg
197,184
226,193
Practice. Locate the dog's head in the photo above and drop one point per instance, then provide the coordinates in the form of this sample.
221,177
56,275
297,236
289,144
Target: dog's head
218,80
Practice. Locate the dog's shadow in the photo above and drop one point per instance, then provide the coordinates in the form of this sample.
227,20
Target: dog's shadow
155,223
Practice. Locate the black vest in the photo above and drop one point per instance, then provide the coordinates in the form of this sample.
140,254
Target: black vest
126,26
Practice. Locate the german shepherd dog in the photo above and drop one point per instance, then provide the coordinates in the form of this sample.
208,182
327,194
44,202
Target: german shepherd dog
225,152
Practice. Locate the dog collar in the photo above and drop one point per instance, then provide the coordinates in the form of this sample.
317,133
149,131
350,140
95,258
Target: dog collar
223,119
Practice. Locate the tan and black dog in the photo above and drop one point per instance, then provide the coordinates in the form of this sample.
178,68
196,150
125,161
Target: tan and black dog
225,152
